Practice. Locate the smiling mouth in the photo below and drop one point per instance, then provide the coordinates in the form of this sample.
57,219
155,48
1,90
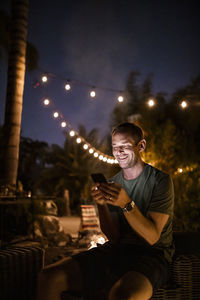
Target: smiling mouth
121,159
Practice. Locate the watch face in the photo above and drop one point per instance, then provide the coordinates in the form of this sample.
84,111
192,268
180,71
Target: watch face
129,206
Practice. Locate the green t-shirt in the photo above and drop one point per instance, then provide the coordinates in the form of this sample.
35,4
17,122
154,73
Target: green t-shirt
152,190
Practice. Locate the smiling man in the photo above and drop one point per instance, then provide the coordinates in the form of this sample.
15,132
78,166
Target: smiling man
135,211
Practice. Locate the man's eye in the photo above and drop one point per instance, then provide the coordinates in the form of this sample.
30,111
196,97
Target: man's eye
121,147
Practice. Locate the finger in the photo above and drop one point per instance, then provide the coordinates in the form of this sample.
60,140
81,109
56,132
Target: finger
115,187
111,202
109,192
110,197
95,187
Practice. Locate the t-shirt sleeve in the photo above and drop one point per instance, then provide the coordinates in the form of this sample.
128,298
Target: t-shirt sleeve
163,195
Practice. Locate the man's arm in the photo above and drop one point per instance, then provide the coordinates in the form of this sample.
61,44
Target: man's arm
148,227
108,222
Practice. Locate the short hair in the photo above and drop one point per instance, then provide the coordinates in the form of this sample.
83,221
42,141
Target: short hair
131,128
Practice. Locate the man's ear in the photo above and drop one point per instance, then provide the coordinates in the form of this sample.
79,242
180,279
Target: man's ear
142,145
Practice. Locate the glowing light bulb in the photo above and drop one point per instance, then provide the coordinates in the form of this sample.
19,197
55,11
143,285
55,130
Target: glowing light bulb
91,150
105,159
67,86
100,157
180,170
120,98
96,154
63,124
184,104
116,162
78,140
56,114
46,101
44,78
72,133
85,146
92,94
151,102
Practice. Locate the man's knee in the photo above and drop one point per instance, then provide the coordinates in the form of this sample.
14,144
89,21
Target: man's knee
132,286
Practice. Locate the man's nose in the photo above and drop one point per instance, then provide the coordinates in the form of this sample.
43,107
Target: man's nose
120,149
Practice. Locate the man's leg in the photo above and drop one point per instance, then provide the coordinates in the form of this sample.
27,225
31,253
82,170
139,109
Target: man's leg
58,277
132,286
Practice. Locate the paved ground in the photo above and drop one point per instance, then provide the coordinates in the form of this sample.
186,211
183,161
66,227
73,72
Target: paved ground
71,225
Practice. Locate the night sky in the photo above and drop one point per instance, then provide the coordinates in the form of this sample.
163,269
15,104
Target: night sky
97,43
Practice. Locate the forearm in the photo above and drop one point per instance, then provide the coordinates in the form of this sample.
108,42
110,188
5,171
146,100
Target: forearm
142,225
108,225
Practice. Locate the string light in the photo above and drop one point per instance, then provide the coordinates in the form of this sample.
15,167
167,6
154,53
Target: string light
120,98
184,104
56,114
92,93
67,86
46,101
72,133
78,140
63,124
151,102
44,78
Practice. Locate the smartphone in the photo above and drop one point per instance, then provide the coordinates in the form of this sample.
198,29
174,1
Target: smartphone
98,177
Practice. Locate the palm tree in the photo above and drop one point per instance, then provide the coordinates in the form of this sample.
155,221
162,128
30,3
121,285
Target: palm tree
15,88
5,42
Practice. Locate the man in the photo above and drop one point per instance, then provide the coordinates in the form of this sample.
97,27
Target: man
135,212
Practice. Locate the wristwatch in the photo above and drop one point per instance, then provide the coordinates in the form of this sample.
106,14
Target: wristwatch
129,206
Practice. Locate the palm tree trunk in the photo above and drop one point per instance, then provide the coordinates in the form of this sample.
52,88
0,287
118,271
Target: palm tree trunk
15,89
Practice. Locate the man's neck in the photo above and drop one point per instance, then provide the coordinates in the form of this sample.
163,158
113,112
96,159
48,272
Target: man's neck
133,172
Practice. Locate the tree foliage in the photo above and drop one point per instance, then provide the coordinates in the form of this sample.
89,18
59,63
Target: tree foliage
50,170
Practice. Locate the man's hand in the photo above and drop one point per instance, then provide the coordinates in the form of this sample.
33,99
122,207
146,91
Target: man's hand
97,195
114,194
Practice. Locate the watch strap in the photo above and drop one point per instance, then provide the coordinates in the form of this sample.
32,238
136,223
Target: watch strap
130,206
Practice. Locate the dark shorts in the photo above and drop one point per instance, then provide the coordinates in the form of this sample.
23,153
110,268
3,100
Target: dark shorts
104,265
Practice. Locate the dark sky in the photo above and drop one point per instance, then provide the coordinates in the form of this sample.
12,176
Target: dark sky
98,43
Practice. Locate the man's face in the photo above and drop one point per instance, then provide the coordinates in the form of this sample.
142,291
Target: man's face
125,150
